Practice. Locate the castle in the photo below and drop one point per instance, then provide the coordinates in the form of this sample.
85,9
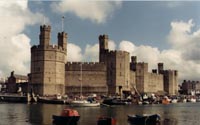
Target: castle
113,74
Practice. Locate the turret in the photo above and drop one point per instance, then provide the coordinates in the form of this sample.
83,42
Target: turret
103,42
45,32
62,40
160,68
134,59
103,47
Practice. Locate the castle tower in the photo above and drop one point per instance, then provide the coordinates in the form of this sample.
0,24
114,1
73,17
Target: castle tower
103,47
134,59
48,64
62,40
170,82
160,68
133,63
45,32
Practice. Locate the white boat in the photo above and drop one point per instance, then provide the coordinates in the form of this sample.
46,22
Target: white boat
174,100
84,103
192,100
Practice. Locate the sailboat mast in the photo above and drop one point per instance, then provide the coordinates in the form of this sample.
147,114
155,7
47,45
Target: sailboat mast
81,82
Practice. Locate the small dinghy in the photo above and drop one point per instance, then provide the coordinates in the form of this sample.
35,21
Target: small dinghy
67,117
104,120
145,119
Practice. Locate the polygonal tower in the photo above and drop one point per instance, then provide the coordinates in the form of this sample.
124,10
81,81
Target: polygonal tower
103,47
47,75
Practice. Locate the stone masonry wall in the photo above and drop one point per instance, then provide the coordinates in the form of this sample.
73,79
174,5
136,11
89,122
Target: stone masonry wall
93,78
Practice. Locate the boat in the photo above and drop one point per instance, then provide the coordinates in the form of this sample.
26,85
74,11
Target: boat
193,100
8,97
83,102
47,100
174,100
145,119
104,120
67,117
52,100
165,100
115,101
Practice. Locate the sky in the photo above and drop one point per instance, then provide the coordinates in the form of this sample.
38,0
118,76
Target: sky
167,31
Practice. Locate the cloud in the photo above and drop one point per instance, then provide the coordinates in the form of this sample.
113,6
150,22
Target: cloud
14,44
73,53
144,53
182,56
186,42
96,11
180,34
111,45
90,52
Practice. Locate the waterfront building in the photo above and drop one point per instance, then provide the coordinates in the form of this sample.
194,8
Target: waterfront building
16,83
189,87
51,73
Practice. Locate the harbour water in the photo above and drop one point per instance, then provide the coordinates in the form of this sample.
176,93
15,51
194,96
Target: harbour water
41,114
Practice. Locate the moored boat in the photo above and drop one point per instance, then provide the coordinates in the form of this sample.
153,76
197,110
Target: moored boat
56,99
165,100
104,120
192,100
13,98
50,100
145,119
174,100
115,101
84,103
67,117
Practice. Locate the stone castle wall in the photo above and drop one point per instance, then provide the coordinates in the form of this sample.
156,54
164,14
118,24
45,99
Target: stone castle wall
48,64
154,83
170,81
118,71
50,74
141,78
92,77
133,81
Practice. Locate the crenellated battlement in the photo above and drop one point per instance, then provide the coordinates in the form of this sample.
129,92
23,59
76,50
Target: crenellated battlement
169,71
102,37
142,63
61,34
86,66
45,28
48,48
116,52
85,63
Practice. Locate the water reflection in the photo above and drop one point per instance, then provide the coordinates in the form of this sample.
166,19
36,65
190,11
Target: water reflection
41,114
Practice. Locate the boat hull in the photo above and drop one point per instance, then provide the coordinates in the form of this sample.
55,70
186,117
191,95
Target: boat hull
114,102
65,120
51,101
144,120
84,104
13,98
106,121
